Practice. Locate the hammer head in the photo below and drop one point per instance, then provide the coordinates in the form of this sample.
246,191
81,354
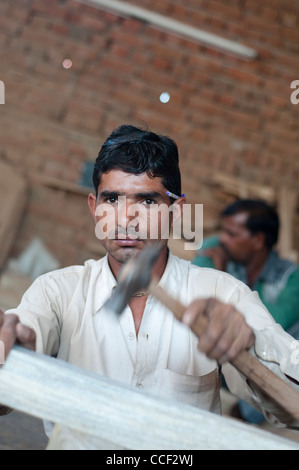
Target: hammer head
134,276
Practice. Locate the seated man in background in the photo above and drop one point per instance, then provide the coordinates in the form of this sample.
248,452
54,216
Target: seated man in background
245,249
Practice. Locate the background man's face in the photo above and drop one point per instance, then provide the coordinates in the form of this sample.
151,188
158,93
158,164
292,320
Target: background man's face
130,212
236,239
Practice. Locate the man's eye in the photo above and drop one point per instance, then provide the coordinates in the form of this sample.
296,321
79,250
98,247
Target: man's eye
148,202
111,200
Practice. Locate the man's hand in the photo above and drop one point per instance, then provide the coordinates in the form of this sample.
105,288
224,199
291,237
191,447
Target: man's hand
225,332
12,332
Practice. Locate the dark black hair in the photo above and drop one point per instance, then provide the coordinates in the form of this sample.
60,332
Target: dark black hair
135,150
261,218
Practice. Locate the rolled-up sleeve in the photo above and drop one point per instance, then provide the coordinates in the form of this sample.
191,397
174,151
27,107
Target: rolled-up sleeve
279,352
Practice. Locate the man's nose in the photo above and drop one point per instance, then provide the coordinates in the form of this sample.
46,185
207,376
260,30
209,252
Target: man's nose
126,212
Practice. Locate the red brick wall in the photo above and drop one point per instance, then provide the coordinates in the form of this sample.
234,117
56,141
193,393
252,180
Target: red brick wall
227,115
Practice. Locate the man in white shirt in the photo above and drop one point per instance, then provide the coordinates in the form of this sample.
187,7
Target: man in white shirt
63,313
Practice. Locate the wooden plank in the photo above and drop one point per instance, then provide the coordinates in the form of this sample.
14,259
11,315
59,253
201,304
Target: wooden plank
55,183
287,205
239,187
97,408
175,27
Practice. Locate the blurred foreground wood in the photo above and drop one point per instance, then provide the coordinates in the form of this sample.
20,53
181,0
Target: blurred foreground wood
94,408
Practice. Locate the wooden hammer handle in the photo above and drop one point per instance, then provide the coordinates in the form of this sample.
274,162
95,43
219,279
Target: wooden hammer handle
272,385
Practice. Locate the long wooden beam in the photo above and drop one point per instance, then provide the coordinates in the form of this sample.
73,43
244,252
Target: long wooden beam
176,27
89,404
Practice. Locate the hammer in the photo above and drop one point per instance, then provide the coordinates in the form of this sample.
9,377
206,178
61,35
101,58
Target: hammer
135,276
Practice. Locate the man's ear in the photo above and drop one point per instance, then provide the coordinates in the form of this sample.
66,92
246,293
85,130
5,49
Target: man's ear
92,204
259,240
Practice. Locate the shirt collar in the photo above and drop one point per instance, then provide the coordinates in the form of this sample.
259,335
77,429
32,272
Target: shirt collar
105,281
269,271
273,269
168,271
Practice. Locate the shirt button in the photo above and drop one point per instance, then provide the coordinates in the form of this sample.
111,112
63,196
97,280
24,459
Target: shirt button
131,335
139,385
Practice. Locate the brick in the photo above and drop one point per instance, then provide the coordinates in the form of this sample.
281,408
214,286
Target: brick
155,77
9,27
133,25
93,24
161,51
60,28
243,75
222,9
53,9
116,66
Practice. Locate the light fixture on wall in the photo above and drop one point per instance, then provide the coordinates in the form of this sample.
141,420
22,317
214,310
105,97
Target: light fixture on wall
164,97
67,63
176,27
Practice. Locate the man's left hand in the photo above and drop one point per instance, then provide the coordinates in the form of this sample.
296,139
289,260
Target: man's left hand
225,332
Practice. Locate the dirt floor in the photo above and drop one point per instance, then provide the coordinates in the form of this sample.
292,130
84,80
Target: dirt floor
228,401
17,430
21,432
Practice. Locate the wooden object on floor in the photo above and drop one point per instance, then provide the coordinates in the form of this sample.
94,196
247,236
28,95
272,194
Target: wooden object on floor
13,285
287,203
96,408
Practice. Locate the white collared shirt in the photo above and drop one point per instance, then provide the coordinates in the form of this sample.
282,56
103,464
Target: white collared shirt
66,310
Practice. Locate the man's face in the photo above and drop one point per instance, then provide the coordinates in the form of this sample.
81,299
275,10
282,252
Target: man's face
236,239
130,212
